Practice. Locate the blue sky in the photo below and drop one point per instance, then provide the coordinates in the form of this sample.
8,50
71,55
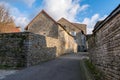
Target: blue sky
81,11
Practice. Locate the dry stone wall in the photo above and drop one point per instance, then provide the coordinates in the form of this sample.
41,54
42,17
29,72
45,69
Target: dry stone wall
12,49
104,48
38,50
24,49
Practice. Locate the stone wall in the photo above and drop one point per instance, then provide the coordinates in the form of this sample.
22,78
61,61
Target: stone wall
27,49
24,49
38,50
104,48
64,44
12,49
52,42
67,42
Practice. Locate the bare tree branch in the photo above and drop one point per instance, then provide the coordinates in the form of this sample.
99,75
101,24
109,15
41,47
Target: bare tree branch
4,15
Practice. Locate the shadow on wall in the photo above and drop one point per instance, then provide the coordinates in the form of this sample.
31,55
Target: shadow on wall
24,49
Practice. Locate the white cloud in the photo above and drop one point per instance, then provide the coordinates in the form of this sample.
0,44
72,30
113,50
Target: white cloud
57,9
102,18
64,8
19,18
84,7
29,2
89,30
21,21
92,21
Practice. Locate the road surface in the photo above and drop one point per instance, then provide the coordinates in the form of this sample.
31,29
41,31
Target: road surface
67,67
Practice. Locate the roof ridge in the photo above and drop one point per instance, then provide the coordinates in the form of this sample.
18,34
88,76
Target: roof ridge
78,23
42,11
65,29
113,13
48,15
70,23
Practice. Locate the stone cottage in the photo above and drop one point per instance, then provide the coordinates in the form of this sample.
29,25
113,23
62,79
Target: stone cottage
63,30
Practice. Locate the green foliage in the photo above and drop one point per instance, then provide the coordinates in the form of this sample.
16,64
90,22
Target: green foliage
93,70
5,67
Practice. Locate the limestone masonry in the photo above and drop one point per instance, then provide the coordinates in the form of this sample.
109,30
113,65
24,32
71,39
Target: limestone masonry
104,46
24,49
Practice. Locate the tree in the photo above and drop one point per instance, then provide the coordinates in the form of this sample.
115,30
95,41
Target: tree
4,15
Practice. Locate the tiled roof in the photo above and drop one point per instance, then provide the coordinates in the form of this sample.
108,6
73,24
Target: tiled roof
8,28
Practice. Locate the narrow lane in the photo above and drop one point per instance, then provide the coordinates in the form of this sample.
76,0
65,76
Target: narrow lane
64,68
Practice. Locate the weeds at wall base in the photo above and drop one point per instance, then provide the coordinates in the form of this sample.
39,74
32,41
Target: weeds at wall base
98,75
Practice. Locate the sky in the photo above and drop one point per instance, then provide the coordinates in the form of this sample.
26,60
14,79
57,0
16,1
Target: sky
79,11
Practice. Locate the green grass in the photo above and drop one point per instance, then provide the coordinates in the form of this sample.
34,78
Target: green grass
93,70
5,67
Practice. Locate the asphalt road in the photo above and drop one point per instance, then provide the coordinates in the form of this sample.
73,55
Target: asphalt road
64,68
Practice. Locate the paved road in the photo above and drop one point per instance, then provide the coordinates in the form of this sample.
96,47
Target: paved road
64,68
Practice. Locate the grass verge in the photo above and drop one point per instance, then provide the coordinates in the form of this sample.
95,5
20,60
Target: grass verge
5,67
93,70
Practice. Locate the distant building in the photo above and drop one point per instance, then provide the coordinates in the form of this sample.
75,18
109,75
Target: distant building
78,31
9,28
81,41
72,27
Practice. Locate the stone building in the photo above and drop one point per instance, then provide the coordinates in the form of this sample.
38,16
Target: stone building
78,31
43,24
81,41
104,46
63,30
72,27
